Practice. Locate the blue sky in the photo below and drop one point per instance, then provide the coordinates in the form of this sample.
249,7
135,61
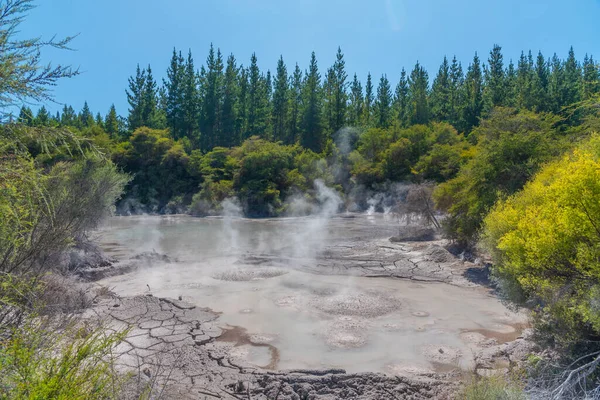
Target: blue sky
380,36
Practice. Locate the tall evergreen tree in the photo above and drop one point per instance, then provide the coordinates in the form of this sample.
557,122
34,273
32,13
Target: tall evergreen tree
68,116
230,103
418,87
241,125
368,104
571,91
136,99
473,89
383,103
86,118
495,80
25,116
340,95
150,101
456,92
329,101
258,111
99,121
540,85
42,118
295,107
511,85
268,95
189,109
111,123
556,83
312,126
524,83
210,123
402,100
174,99
280,102
591,77
356,102
440,99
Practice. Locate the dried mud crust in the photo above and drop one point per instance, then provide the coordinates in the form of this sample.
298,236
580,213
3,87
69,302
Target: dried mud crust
177,345
381,258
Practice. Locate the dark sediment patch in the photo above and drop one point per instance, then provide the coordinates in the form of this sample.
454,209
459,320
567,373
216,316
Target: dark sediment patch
240,337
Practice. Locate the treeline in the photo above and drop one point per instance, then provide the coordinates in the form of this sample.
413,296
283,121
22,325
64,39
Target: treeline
223,103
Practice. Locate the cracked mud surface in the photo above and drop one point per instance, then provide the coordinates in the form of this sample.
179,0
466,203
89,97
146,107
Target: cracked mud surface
180,346
404,320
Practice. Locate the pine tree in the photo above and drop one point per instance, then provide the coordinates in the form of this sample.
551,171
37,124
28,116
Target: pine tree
511,85
340,96
524,83
457,81
174,100
383,103
540,85
571,91
418,88
280,102
136,97
368,104
591,77
230,99
556,83
440,99
473,89
268,95
25,116
210,123
402,100
68,116
111,123
42,118
99,121
495,80
86,119
190,101
356,103
257,101
242,112
329,101
295,107
311,126
150,101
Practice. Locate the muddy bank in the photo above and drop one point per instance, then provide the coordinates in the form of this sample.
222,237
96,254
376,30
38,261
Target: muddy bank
179,345
301,306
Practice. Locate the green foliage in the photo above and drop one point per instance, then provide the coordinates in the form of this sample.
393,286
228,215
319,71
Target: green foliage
159,166
493,388
38,363
421,152
545,242
511,146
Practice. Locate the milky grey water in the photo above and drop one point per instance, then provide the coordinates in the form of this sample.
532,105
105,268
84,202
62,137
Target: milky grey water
263,276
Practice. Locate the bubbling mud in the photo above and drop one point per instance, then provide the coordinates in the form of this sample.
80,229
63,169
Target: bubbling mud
305,293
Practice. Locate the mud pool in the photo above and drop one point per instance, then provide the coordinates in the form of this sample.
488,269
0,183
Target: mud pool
315,293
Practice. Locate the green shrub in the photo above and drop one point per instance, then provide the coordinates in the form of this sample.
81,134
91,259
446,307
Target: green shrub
545,243
38,363
492,388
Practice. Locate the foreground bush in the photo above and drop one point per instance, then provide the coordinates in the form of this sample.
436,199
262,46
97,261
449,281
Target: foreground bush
37,363
545,242
492,388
